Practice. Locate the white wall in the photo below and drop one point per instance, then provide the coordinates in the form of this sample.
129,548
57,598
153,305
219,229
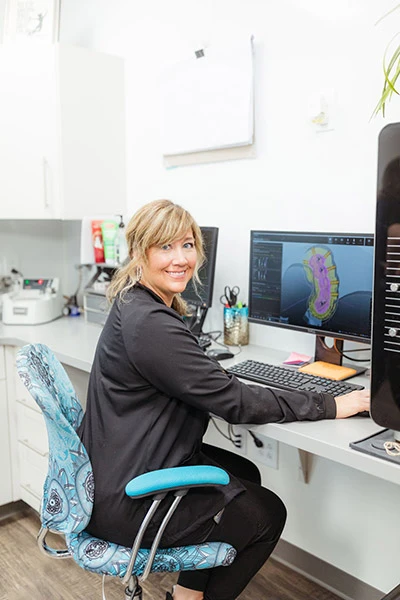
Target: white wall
300,180
42,249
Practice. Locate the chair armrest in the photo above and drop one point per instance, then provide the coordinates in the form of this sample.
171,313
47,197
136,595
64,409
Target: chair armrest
176,478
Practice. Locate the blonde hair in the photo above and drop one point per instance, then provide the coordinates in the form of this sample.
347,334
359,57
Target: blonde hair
156,223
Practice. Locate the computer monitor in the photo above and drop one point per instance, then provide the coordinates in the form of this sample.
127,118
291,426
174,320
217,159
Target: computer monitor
319,283
199,297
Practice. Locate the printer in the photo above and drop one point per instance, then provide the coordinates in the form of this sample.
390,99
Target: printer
32,302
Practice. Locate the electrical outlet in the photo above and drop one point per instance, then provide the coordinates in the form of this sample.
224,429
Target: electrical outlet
267,454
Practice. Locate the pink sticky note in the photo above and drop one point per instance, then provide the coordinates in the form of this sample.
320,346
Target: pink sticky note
297,359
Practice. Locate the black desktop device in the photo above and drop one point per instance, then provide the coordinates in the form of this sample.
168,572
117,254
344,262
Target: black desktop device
385,383
385,368
199,297
319,283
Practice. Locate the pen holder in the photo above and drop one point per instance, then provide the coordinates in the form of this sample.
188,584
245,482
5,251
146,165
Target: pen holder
236,326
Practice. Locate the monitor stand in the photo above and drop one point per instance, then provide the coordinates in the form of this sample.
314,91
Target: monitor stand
382,444
196,321
333,356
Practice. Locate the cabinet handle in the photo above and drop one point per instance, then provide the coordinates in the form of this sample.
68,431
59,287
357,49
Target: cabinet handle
45,182
25,403
28,488
28,445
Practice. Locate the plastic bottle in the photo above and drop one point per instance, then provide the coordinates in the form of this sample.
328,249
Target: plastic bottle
97,240
109,230
121,246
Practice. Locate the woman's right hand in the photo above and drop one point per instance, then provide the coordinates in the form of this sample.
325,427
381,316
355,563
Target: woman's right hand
352,403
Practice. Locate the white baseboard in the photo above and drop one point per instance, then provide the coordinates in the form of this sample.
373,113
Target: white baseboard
327,576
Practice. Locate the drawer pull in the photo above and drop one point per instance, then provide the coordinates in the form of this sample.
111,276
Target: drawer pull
28,445
24,402
28,488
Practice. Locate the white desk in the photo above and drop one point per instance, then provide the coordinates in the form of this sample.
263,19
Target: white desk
74,342
328,438
70,338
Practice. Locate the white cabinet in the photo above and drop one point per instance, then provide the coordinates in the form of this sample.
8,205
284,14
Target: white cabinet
62,123
24,451
31,445
5,454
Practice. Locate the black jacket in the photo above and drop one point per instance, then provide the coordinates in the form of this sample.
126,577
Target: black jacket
150,393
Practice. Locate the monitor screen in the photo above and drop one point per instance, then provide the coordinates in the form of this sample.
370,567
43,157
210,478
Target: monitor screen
315,282
203,296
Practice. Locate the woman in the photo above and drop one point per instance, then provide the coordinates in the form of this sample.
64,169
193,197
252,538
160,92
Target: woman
150,393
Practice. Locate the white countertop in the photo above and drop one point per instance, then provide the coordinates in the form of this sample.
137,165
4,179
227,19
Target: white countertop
73,340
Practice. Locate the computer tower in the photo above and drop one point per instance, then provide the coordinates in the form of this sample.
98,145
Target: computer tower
385,381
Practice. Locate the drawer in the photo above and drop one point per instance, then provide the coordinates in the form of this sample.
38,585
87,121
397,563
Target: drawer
95,317
6,494
30,498
95,302
32,430
32,471
22,395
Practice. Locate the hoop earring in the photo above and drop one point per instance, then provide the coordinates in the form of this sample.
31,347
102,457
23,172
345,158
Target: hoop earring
139,273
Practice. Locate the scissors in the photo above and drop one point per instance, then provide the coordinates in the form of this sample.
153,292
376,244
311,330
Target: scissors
230,295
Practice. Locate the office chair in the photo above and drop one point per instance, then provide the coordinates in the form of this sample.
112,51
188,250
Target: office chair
69,489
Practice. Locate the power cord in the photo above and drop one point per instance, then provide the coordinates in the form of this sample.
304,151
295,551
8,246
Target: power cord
234,438
214,335
345,354
259,443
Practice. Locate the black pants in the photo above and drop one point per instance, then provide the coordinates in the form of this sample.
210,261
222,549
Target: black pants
252,522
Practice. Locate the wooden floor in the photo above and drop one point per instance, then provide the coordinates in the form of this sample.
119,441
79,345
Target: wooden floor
26,574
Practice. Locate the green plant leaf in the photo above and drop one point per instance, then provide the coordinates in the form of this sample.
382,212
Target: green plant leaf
387,14
391,71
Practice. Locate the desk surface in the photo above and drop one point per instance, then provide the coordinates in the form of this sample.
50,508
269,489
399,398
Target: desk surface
74,343
70,338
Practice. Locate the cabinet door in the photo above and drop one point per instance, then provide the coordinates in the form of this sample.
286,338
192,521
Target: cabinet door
28,141
92,124
5,458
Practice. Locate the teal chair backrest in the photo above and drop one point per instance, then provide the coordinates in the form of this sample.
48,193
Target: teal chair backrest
68,494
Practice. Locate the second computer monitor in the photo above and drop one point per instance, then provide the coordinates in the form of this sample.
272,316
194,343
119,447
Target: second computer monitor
315,282
201,295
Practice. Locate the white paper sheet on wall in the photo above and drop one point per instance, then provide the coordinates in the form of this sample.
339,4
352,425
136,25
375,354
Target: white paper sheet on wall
207,102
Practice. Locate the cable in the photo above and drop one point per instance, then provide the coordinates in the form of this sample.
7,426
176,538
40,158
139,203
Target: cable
259,443
80,267
234,438
218,334
355,350
392,448
219,430
355,359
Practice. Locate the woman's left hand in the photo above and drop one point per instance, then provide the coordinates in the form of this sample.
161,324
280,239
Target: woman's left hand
352,403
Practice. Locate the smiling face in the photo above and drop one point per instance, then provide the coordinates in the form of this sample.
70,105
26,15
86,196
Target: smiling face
170,267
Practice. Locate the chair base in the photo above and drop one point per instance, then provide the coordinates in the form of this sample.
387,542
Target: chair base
133,590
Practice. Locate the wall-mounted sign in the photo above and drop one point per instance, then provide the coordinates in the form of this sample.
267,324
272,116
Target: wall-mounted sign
31,20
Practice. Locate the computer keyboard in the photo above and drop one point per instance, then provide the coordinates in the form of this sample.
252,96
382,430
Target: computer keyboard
287,378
